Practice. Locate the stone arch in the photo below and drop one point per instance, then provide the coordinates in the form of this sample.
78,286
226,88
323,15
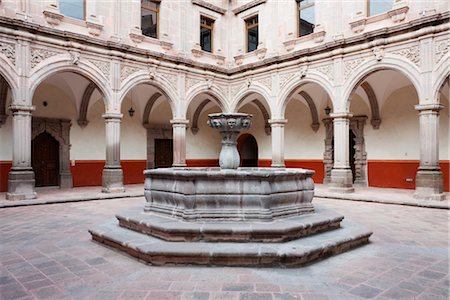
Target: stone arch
148,108
442,73
8,73
253,88
292,86
376,119
82,116
141,77
265,114
63,64
313,109
213,91
196,116
367,68
3,95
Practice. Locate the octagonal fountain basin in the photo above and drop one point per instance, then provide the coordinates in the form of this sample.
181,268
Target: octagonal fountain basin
259,194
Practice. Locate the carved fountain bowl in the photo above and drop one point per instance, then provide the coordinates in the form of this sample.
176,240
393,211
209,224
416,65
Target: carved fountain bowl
201,194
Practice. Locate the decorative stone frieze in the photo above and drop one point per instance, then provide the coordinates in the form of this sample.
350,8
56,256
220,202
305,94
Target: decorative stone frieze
103,66
327,70
284,78
378,52
266,81
126,71
190,82
351,65
411,53
9,50
171,78
39,54
236,88
442,48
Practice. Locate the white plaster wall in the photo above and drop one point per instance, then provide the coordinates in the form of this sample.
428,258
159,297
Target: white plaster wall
301,142
398,136
263,140
444,131
6,140
206,143
133,136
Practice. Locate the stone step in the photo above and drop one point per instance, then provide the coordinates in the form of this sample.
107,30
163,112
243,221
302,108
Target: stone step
293,253
281,230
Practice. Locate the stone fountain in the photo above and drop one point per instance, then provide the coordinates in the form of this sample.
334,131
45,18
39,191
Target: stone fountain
230,215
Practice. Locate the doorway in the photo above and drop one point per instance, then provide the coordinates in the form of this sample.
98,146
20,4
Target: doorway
248,150
45,160
352,153
163,153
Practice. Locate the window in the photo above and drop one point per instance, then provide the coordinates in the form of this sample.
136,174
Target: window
206,33
73,8
375,7
306,17
252,33
149,18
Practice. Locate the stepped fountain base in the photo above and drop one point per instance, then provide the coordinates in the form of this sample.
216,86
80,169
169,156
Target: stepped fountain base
243,217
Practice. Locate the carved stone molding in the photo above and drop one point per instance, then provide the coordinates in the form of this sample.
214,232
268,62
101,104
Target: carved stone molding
327,70
313,109
247,6
52,15
126,71
411,53
60,130
360,158
441,49
190,82
209,6
266,81
358,24
284,78
398,13
103,66
171,78
9,50
351,65
38,55
94,27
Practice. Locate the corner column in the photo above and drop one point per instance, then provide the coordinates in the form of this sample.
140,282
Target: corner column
21,181
112,179
179,142
277,126
429,179
341,174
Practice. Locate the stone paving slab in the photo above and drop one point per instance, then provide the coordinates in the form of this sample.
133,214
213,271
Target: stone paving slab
408,257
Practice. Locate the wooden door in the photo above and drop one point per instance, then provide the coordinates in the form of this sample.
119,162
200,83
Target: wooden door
163,153
45,160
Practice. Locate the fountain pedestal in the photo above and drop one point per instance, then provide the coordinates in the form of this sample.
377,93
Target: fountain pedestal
230,215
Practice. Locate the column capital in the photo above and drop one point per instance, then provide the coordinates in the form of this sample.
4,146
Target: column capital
114,116
179,122
341,115
432,107
277,121
22,108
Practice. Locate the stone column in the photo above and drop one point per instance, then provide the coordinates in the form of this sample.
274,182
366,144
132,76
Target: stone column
112,173
277,126
179,142
341,174
21,177
429,179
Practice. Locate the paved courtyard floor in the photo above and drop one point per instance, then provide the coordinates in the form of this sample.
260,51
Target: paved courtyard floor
46,252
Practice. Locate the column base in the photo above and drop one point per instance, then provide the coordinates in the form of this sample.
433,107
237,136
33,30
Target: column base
179,165
341,181
282,165
429,185
21,185
112,181
66,181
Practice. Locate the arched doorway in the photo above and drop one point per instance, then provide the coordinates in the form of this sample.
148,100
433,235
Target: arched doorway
45,160
248,150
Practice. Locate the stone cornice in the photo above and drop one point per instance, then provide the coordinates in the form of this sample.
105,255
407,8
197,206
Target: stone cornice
247,6
209,6
409,30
